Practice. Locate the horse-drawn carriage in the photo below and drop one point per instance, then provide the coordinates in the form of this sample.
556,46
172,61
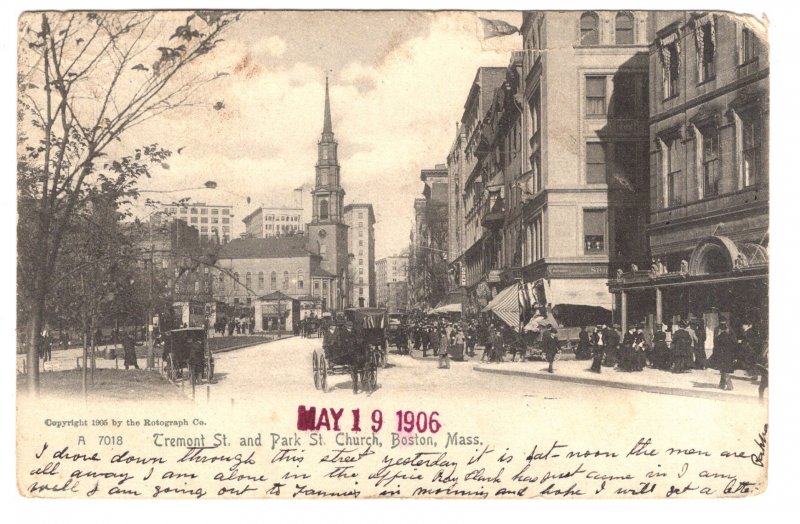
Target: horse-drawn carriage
312,327
354,345
187,355
397,333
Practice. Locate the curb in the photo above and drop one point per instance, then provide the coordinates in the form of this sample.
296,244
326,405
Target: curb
242,346
663,390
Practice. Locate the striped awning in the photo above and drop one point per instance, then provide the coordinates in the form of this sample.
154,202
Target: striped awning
506,306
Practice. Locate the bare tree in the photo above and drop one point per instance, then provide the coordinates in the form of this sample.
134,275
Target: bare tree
85,79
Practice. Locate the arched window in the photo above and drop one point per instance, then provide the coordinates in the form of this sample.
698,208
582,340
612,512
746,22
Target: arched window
235,280
323,210
300,283
590,34
248,280
285,280
273,280
221,285
623,26
260,280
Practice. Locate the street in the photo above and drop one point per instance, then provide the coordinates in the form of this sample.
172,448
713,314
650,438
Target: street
284,367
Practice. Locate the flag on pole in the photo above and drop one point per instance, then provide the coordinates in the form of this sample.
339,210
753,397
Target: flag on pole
495,28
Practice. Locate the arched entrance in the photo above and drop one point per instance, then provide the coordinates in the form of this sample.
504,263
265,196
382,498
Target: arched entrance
713,255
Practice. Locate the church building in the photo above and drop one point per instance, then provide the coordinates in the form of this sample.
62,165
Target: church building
327,225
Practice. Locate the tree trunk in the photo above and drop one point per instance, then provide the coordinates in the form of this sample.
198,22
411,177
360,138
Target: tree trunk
85,356
34,331
94,341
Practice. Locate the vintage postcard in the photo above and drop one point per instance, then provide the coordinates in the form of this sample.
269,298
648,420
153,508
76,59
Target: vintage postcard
392,254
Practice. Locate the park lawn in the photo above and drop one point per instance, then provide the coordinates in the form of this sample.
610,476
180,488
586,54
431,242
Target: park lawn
109,385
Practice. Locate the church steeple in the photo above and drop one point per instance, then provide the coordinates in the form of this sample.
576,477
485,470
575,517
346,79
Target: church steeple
327,127
328,195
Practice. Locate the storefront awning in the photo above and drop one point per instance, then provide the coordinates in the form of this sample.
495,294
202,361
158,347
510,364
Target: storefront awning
506,306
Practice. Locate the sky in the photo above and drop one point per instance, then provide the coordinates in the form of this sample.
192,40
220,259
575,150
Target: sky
398,83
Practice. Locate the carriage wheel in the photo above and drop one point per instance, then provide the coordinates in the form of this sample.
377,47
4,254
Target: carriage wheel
323,371
209,370
370,377
170,367
315,369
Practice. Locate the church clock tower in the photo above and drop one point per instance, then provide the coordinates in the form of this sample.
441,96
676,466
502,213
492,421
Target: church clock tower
327,226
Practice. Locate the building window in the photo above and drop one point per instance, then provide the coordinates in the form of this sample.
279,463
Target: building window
226,220
595,95
204,220
184,210
203,211
248,280
360,261
194,220
747,46
623,25
590,35
670,66
361,271
236,281
706,42
214,220
673,177
360,242
316,285
595,163
594,231
285,280
260,280
225,211
710,159
323,210
360,280
215,211
300,283
194,211
751,148
361,291
273,280
360,215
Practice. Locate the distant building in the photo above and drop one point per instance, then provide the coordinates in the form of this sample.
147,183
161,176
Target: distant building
213,222
360,220
250,268
274,221
708,224
391,283
429,243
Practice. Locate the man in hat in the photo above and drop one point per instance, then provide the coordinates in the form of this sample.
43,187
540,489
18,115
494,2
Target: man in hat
549,345
598,348
681,348
725,355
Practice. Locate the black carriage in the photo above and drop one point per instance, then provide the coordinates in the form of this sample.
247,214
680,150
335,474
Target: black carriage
354,345
398,334
187,355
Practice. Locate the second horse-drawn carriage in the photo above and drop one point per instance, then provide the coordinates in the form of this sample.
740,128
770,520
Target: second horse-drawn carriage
187,355
354,344
397,333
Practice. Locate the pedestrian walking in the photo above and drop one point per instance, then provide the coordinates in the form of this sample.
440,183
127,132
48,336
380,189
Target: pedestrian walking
444,350
612,337
583,351
458,344
661,353
699,345
550,345
681,349
598,351
129,348
725,355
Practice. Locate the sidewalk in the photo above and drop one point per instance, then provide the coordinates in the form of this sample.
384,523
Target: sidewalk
66,359
696,383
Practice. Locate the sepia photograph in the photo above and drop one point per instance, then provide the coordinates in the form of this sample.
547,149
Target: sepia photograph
341,254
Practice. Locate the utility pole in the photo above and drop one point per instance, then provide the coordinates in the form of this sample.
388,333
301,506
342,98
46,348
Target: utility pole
148,320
